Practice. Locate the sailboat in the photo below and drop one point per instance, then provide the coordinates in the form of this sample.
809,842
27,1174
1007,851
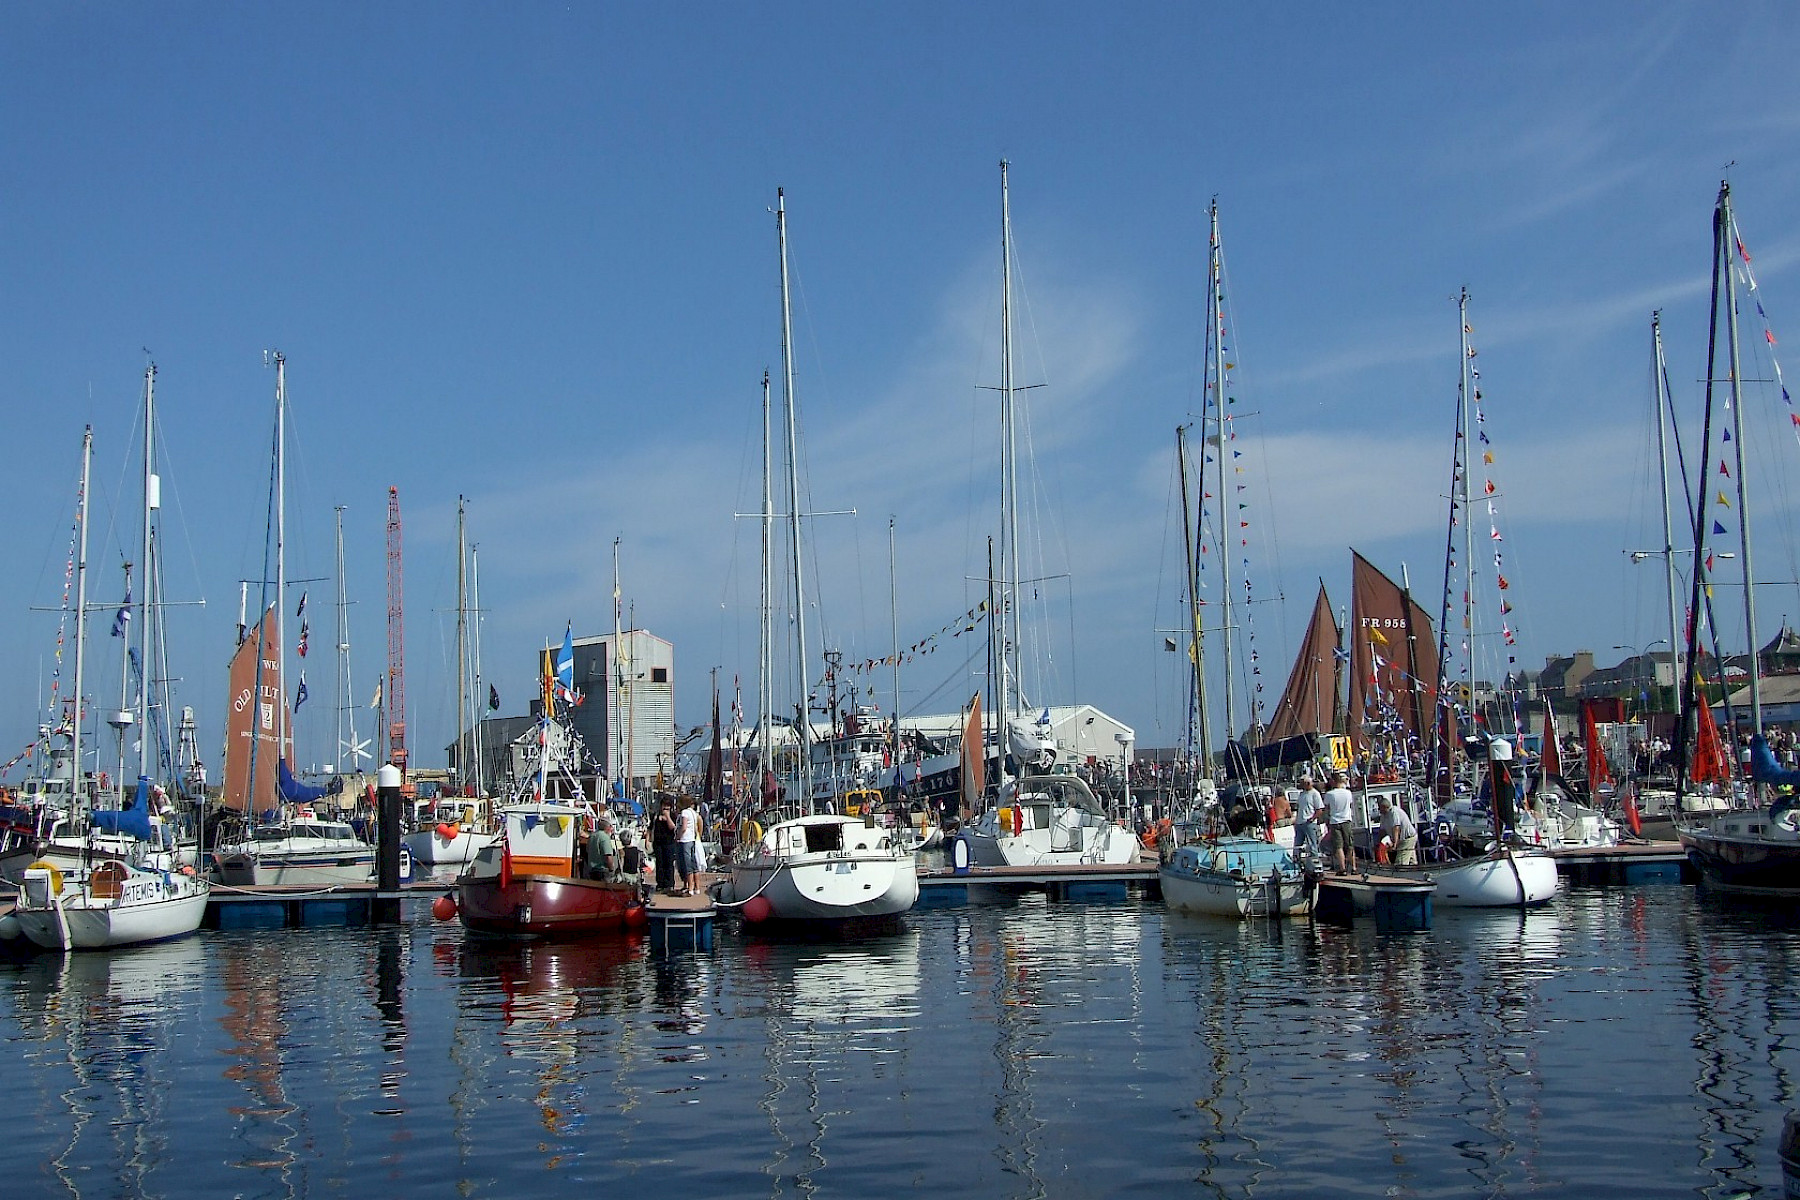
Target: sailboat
528,882
1230,874
1754,852
132,898
1507,871
457,830
819,870
277,837
1041,815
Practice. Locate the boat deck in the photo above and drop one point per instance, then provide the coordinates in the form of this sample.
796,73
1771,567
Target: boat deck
1627,864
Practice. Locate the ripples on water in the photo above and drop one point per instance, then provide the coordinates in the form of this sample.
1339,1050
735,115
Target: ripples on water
1619,1043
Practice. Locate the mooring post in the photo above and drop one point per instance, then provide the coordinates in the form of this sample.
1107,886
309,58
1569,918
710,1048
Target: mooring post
387,844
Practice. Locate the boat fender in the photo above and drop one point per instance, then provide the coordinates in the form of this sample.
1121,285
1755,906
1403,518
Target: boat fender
9,928
636,917
55,874
447,831
758,909
444,907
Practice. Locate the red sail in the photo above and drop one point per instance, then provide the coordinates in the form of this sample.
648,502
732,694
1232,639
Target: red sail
253,717
1393,662
1709,755
1598,772
974,759
1550,757
1310,702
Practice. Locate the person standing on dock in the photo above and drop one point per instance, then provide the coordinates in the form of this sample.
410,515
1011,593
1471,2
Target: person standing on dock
662,847
687,845
1308,814
1340,802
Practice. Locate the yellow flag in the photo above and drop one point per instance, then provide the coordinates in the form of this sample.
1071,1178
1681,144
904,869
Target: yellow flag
1375,636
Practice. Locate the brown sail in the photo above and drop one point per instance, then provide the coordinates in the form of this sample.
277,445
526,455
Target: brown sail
253,721
974,759
1310,702
1393,665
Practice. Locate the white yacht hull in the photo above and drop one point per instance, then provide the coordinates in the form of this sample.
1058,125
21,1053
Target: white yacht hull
1501,879
828,887
1042,847
317,870
151,906
1223,895
432,848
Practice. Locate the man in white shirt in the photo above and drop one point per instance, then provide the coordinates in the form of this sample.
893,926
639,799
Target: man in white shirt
1340,804
1308,818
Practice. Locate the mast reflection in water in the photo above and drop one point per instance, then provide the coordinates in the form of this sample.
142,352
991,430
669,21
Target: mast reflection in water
1635,1041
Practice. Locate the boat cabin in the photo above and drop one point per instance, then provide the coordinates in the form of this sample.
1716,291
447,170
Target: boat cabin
824,836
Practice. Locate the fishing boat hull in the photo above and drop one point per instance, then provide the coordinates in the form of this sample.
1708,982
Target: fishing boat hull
1237,878
114,906
544,906
1746,853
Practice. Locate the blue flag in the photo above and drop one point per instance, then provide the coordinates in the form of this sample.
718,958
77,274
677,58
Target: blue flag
122,618
300,692
565,667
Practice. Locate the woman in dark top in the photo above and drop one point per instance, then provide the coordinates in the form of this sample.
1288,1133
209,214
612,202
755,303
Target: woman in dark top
662,845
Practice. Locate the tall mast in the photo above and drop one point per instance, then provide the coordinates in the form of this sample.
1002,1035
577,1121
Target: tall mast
78,795
462,643
765,641
1197,719
1465,389
1007,619
804,729
621,768
147,581
894,635
1660,382
283,731
1216,334
346,707
121,718
1737,436
480,696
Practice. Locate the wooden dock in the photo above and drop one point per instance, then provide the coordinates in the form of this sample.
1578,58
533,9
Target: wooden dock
1626,865
679,923
295,907
941,887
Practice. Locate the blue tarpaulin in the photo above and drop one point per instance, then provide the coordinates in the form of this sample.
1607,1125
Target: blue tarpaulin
133,820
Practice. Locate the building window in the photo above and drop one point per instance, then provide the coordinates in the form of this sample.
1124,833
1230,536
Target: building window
659,674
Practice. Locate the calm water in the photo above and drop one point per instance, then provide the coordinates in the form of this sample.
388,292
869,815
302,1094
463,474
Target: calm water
1620,1043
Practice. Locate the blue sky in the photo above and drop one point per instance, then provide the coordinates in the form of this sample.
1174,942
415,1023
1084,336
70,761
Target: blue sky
526,255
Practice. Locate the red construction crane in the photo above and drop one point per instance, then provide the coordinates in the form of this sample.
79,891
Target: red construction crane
396,662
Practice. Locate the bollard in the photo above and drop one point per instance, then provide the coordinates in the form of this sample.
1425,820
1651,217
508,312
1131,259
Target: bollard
387,845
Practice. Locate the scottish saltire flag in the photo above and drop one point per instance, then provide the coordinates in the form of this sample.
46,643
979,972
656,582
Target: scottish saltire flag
122,618
300,692
493,697
565,668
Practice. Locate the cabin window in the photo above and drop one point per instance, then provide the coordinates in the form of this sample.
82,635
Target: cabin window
824,837
659,674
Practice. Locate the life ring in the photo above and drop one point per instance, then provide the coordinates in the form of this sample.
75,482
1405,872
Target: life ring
55,874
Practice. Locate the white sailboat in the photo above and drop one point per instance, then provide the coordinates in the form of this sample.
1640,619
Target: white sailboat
130,893
457,829
1510,872
1235,875
283,841
814,869
1043,816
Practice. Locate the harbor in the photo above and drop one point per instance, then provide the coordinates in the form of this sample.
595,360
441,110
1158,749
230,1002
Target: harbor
1425,1062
